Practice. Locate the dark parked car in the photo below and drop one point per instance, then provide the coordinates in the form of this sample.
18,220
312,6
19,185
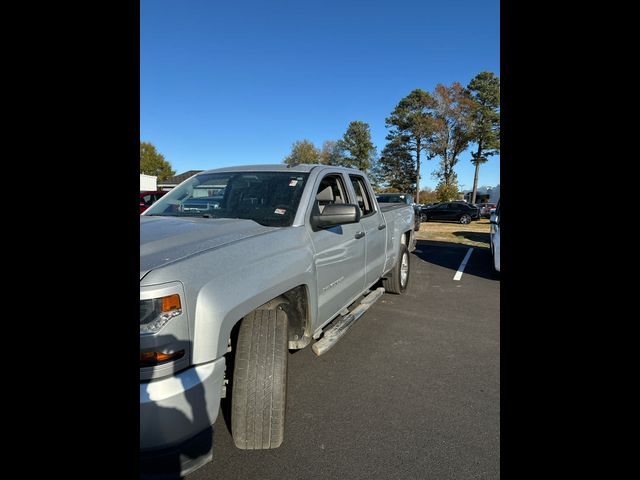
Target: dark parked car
454,211
402,198
148,198
426,206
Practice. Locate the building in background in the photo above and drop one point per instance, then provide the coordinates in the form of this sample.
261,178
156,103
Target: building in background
176,180
484,194
148,183
495,194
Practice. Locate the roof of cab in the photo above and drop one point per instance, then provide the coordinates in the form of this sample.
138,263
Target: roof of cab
278,167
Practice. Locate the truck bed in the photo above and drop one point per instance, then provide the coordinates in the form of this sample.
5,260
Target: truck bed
387,207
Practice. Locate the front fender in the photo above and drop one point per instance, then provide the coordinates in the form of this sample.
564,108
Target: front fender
250,274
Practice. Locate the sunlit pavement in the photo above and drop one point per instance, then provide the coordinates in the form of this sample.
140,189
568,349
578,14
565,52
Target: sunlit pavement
411,392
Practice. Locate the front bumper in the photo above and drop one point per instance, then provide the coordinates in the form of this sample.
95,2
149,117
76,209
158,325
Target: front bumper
175,462
175,409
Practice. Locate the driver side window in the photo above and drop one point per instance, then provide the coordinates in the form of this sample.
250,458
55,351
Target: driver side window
331,190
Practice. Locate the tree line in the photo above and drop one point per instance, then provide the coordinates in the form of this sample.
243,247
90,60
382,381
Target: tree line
434,125
153,162
438,125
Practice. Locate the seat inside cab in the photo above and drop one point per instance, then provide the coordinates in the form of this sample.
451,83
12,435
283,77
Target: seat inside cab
330,191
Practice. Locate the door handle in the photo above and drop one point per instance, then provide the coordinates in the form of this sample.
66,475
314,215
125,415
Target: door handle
359,234
382,226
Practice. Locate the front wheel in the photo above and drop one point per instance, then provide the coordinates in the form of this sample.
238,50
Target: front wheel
399,277
465,219
260,381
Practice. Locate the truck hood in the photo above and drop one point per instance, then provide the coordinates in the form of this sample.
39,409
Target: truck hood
164,240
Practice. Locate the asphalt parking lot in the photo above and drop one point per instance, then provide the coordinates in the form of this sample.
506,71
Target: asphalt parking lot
411,392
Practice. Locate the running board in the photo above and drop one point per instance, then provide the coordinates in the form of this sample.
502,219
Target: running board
343,324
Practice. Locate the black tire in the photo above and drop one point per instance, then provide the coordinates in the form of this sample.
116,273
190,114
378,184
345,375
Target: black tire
393,283
259,393
465,219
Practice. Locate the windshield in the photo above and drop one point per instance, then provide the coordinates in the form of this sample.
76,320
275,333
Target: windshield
268,198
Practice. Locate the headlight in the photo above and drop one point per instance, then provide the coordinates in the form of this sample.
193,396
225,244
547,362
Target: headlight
155,313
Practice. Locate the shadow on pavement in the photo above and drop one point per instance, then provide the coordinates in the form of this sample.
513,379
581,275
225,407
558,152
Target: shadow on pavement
450,255
475,236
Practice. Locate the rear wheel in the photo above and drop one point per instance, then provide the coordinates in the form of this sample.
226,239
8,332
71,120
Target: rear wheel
260,381
399,277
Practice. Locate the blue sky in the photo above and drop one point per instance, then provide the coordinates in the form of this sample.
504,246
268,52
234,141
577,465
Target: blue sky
231,83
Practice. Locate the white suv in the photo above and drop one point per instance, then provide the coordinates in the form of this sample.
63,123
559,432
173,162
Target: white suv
495,237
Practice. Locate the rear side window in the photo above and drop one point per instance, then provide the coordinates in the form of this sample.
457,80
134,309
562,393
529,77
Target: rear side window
362,195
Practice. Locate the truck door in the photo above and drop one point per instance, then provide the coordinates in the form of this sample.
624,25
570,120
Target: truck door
339,252
374,226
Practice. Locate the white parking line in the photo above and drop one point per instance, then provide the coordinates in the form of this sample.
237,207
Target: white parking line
458,274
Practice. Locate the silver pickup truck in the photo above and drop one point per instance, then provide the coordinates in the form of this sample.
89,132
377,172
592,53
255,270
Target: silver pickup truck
237,267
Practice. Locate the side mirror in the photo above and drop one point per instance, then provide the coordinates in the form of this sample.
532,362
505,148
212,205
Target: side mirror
336,214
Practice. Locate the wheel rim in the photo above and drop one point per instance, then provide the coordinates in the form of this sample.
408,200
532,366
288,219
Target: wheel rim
465,219
404,270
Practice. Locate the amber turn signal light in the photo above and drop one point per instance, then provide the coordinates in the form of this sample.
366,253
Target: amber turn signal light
150,359
172,302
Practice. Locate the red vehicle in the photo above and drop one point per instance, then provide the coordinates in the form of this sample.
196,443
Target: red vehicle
147,198
485,209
